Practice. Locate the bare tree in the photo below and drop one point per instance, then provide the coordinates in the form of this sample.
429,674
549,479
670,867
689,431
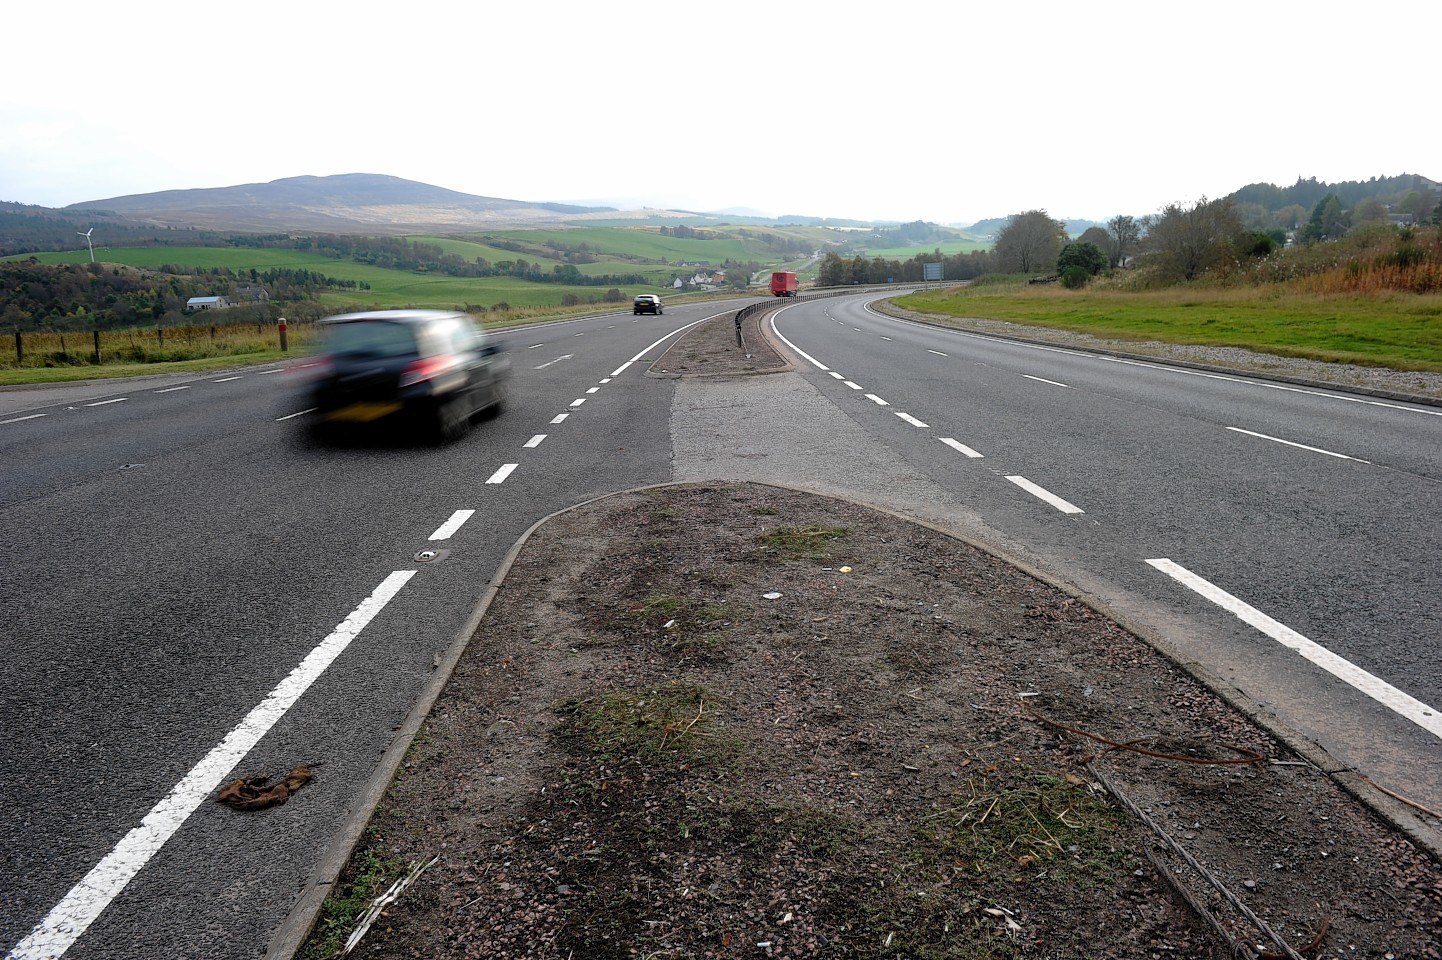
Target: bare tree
1029,242
1124,233
1187,241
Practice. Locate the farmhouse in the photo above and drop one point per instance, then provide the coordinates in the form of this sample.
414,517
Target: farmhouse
206,303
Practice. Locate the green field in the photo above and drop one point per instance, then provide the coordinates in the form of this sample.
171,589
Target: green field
1401,331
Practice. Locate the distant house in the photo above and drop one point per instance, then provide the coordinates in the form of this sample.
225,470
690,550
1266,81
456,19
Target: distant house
206,303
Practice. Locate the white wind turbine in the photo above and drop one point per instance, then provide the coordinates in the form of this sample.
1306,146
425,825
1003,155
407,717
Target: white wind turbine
86,235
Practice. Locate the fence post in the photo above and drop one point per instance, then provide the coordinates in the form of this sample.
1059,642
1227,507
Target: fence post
160,336
19,349
97,348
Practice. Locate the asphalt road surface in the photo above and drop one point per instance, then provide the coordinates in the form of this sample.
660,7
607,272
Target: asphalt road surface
1283,538
192,590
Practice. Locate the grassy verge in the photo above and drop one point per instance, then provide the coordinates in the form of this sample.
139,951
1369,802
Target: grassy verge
1399,331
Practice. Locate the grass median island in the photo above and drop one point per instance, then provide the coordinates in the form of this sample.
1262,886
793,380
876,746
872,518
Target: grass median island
1401,331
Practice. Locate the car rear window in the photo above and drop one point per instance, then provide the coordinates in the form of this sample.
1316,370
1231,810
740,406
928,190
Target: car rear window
375,338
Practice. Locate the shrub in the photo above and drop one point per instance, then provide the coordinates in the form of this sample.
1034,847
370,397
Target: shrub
1084,255
1074,277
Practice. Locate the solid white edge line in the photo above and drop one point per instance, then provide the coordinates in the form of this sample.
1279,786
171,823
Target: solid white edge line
448,529
500,475
960,447
1378,689
910,419
535,441
1043,494
1299,446
938,353
292,416
33,416
622,368
74,914
799,352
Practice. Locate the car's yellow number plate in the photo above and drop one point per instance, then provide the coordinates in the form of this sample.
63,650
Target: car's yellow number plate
364,412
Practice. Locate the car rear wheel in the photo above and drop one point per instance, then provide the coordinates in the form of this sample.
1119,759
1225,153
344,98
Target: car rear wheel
453,419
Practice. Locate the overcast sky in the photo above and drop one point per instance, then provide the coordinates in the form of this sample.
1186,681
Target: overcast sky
940,110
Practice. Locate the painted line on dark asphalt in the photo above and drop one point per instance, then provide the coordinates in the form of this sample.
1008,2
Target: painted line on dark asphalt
1042,493
877,400
622,368
559,417
101,403
938,353
578,401
500,475
1404,705
960,447
1299,446
74,914
448,529
1045,380
173,389
535,441
227,379
33,416
299,413
853,385
911,420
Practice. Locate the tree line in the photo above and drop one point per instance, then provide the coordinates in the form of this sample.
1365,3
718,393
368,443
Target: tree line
95,296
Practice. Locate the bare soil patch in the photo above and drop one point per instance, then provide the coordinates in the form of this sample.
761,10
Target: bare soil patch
734,720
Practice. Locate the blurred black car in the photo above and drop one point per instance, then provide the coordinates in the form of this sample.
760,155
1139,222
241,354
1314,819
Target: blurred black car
647,303
427,370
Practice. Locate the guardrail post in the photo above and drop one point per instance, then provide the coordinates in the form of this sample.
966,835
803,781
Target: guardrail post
284,344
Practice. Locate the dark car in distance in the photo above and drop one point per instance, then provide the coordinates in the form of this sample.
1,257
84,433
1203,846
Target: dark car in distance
647,303
431,371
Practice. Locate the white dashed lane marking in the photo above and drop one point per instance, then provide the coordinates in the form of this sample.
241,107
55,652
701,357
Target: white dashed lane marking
500,475
1045,495
448,529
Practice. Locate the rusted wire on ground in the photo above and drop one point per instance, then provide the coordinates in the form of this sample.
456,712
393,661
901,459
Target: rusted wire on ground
1244,755
1397,796
1286,951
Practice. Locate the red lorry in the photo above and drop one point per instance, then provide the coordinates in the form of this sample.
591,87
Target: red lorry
783,284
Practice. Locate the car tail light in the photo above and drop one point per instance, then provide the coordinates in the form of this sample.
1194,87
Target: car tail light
419,371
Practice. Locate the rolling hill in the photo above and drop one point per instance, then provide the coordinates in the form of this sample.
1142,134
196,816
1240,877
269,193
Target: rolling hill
346,203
